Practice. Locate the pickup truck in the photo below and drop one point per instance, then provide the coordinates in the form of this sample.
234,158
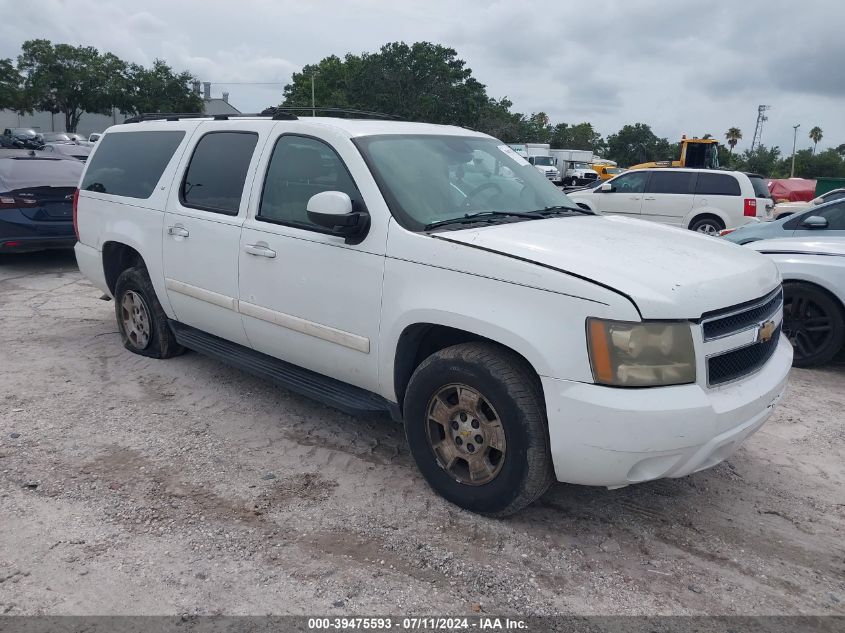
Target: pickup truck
430,273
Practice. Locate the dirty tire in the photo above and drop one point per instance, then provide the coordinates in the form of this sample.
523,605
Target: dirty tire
161,343
513,390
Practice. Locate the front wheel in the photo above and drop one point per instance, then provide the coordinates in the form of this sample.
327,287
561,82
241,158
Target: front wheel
476,426
707,225
813,323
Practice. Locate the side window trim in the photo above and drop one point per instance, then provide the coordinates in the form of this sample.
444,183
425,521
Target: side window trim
263,184
181,191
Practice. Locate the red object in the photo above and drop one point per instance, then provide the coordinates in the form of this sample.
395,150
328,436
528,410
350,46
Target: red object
792,189
750,208
75,206
10,244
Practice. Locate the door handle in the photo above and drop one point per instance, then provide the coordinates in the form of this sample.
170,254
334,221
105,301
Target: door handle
260,250
635,198
649,198
177,231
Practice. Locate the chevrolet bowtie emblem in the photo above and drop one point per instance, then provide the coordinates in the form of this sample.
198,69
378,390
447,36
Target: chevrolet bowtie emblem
765,331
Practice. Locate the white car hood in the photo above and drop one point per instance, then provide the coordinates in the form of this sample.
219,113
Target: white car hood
668,273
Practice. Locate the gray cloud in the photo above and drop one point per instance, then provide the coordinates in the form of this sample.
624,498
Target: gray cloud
684,68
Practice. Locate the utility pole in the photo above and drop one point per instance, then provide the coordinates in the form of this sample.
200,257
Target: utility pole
794,137
313,107
758,130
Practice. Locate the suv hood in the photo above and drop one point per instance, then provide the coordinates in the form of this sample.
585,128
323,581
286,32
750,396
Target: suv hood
668,273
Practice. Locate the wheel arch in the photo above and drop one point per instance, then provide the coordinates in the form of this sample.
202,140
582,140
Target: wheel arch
708,212
418,341
818,284
117,257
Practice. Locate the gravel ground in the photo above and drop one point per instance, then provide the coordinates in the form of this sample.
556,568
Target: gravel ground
129,485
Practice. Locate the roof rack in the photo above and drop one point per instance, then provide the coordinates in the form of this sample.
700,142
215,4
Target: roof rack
269,113
280,113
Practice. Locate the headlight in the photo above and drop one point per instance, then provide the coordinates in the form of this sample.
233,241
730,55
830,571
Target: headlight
624,354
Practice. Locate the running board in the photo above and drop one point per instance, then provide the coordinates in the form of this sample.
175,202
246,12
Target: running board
334,393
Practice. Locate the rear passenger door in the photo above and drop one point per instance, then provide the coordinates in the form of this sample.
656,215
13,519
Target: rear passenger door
668,197
625,196
306,296
719,191
202,228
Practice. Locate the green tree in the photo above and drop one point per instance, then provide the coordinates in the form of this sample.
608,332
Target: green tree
763,160
580,136
636,143
421,81
733,136
65,79
10,86
158,89
815,136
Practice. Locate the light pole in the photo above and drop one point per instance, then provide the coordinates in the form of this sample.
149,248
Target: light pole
313,110
794,137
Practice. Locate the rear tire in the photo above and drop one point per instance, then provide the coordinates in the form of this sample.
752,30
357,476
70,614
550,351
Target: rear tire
140,318
707,224
813,323
476,425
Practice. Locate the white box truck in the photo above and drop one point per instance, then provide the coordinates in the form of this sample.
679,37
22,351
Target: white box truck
538,154
574,166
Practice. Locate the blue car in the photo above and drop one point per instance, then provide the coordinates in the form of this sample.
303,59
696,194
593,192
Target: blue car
36,200
824,220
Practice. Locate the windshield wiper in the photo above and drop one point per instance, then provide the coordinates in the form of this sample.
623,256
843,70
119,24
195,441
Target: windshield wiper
561,209
481,216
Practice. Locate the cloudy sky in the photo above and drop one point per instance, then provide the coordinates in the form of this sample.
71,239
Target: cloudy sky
681,67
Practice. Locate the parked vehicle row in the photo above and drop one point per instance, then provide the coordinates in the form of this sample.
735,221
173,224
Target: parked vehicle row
782,209
701,200
390,266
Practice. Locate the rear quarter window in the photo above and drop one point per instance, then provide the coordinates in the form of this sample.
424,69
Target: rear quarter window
761,188
131,163
717,185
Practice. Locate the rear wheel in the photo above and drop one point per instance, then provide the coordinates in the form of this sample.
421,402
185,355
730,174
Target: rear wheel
813,323
476,426
140,317
707,224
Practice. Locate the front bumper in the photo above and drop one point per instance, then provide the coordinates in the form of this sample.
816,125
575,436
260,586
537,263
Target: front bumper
606,436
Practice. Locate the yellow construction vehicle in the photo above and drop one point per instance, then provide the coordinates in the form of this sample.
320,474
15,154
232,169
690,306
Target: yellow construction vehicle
698,153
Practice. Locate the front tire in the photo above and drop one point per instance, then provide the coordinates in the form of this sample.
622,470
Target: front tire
813,323
708,225
476,425
140,318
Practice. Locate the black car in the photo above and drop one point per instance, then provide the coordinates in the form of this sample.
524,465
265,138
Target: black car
23,138
36,200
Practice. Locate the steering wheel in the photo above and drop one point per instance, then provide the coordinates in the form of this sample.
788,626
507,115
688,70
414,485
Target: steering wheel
465,205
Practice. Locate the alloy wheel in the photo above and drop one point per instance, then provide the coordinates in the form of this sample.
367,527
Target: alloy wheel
136,319
466,434
807,325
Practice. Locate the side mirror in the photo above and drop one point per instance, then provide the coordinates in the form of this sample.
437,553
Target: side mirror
606,187
814,222
817,200
333,210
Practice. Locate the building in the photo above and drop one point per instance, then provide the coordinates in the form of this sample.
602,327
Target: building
91,122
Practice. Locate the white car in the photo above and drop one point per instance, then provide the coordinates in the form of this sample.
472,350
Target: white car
701,200
432,273
813,274
782,209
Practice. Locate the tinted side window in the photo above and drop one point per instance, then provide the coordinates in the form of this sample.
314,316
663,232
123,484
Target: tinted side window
670,182
833,195
214,180
716,185
300,168
131,163
630,183
835,215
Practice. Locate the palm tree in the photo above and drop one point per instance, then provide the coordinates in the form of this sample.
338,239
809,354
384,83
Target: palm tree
733,135
815,136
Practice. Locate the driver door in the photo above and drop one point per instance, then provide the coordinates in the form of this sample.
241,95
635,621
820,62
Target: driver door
625,196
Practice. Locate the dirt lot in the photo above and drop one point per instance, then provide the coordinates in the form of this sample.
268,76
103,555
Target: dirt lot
129,485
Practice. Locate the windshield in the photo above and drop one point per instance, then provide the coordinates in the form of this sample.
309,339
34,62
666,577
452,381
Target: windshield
614,170
581,166
22,131
23,173
427,178
546,161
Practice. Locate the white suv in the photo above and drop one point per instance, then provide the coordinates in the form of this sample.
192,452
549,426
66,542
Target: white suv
430,272
702,200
